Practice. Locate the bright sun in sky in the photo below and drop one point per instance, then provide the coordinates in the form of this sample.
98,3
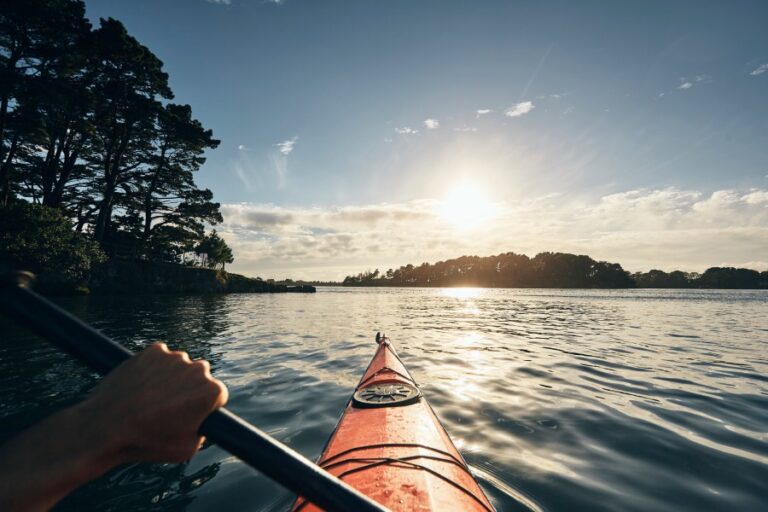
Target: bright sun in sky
466,207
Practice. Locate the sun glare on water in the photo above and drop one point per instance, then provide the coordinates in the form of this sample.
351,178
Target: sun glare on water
466,207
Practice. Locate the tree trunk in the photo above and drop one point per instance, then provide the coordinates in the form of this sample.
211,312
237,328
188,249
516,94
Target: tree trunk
105,210
150,191
70,159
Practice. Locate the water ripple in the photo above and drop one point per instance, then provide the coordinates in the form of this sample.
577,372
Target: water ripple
560,400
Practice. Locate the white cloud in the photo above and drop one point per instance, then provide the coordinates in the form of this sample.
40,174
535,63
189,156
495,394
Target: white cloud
220,2
759,70
286,147
406,130
242,147
432,124
483,111
640,229
520,109
465,128
555,96
688,83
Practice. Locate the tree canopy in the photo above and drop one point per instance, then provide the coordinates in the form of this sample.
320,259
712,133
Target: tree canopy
40,239
551,270
88,127
214,251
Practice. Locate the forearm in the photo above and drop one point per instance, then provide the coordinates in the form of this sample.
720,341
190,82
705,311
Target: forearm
48,461
148,409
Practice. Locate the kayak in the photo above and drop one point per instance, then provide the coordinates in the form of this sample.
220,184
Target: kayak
390,445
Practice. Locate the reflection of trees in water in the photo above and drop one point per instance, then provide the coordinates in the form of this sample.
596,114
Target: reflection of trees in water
152,487
36,380
185,322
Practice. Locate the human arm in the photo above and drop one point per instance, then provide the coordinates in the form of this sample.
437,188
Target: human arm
148,409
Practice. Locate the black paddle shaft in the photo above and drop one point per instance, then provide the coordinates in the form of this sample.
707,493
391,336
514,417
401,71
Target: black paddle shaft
254,447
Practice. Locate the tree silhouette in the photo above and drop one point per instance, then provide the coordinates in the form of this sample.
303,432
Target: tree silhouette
86,127
215,251
551,270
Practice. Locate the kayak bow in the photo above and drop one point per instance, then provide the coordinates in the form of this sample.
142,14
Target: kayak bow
390,445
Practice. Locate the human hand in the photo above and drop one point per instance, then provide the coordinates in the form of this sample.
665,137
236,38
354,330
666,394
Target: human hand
151,406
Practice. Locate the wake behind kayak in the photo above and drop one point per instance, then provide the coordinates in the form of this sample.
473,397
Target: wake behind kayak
390,445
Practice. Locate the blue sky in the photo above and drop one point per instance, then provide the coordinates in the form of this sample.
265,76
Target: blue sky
635,133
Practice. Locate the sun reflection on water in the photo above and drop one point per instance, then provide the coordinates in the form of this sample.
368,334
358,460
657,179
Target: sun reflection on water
463,293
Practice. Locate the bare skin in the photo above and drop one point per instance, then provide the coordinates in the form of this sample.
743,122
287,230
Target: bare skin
148,409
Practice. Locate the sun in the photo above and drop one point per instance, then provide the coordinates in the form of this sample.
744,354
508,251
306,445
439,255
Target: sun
466,207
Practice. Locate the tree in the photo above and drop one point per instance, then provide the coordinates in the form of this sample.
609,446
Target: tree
130,82
41,45
215,251
86,127
547,269
660,279
729,277
167,193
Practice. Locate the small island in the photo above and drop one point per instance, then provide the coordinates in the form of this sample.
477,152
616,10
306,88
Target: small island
552,270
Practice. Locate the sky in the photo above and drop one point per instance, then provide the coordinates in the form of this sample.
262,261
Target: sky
366,134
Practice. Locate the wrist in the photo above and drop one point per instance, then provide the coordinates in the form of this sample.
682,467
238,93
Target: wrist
97,441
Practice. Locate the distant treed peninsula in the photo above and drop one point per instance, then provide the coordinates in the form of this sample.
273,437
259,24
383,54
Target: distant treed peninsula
552,270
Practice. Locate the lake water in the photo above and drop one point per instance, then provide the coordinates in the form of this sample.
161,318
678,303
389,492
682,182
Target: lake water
559,400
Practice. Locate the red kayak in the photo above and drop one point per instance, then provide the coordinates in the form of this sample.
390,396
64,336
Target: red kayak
389,445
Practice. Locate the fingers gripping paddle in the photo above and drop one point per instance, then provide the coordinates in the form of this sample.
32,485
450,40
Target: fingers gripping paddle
235,435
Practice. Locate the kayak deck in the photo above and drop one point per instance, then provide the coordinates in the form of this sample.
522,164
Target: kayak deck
390,445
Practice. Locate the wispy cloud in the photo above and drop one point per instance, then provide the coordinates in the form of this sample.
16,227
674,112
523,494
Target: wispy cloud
520,109
245,176
220,2
286,147
483,111
759,70
536,72
555,96
406,130
465,128
688,83
260,168
432,124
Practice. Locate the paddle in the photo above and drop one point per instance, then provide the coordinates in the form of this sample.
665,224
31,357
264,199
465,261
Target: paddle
238,437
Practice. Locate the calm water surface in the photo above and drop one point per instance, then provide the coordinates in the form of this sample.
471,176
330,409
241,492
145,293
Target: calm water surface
559,400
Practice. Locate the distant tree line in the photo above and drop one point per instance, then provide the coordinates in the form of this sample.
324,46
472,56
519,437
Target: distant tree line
88,129
714,277
551,270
